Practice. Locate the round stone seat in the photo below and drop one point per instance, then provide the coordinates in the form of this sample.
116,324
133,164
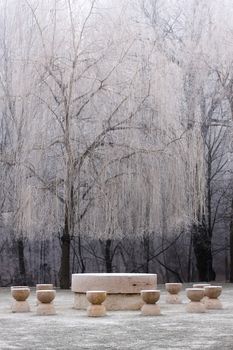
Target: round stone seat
20,295
96,299
43,286
123,289
45,305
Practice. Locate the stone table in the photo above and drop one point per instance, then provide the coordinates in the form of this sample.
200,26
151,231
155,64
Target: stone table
123,289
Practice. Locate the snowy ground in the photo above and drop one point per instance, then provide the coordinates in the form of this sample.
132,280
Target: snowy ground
72,329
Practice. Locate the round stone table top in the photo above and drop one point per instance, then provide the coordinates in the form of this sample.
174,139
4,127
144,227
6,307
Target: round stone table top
113,283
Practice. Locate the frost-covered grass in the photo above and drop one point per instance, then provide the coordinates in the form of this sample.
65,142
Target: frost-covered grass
71,329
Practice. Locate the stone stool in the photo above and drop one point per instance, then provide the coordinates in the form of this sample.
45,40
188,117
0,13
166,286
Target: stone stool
45,306
96,298
202,285
20,294
43,287
195,305
173,290
150,297
213,292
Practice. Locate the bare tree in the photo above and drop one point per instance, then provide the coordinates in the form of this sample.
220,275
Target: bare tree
107,106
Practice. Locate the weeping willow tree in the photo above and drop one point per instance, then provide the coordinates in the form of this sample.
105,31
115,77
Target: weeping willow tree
107,152
16,85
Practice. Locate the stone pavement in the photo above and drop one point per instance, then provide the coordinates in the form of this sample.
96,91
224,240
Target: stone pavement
71,329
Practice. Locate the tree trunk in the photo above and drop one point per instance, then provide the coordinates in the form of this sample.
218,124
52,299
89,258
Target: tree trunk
227,274
65,255
65,261
66,238
231,244
203,253
189,272
83,266
146,245
108,256
21,258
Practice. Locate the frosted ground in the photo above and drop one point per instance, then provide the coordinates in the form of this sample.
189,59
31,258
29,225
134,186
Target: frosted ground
71,329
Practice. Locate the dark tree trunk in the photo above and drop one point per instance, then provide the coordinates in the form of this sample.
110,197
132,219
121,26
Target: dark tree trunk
21,259
203,252
146,245
231,244
64,274
65,261
65,255
108,256
83,267
189,272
